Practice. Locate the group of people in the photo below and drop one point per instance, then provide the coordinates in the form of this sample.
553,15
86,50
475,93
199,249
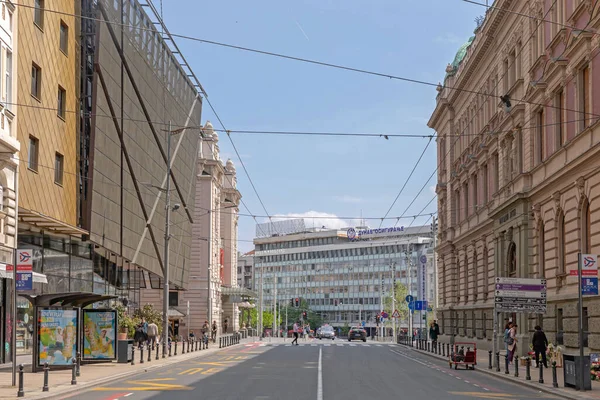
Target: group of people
539,342
146,333
300,330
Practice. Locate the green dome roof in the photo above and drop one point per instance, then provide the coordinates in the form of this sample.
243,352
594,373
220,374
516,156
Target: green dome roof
460,55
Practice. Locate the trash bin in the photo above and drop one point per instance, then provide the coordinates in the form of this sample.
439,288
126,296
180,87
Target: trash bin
124,350
572,371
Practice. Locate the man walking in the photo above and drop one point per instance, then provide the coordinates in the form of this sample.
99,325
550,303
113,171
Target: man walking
214,331
296,329
152,334
434,332
540,345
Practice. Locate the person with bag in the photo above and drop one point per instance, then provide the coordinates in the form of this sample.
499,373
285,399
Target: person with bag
540,346
512,342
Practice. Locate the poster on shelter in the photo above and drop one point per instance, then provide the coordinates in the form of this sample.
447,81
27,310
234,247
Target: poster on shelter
99,329
57,336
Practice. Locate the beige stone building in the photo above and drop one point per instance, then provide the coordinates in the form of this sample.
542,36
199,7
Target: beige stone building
518,180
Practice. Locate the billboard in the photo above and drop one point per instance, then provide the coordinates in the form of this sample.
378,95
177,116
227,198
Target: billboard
57,335
99,334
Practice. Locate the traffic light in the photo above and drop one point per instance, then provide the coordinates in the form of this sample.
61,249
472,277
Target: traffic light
291,302
297,302
304,314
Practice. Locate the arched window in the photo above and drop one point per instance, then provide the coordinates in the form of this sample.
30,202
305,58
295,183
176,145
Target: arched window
512,259
560,233
584,218
541,251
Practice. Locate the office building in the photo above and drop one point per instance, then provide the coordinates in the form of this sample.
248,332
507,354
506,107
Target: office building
245,271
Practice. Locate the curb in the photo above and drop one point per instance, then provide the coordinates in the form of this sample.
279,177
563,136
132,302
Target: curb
509,378
70,390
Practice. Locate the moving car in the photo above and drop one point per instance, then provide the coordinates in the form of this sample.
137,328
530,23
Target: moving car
357,333
326,332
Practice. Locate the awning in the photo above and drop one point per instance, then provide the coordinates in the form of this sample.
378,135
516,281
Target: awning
48,223
69,299
37,277
174,313
238,291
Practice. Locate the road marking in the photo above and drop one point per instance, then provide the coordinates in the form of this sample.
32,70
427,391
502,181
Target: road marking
128,394
212,371
215,363
352,345
320,376
191,371
148,385
327,344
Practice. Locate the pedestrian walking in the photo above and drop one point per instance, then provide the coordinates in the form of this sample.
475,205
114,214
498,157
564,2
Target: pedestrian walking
225,323
540,346
139,336
434,332
296,329
512,342
152,334
214,331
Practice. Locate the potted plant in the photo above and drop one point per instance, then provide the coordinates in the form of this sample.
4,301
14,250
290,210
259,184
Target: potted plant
126,323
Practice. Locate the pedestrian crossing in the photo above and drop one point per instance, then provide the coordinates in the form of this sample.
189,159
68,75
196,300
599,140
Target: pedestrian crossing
338,344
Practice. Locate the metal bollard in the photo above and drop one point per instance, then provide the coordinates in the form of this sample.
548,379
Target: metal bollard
528,369
175,348
197,342
490,357
516,366
20,392
443,350
78,369
45,388
149,353
541,367
133,355
497,361
171,345
141,354
220,342
506,371
73,372
428,347
554,377
157,346
448,349
439,348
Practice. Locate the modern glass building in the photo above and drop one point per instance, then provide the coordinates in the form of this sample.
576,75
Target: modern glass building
342,274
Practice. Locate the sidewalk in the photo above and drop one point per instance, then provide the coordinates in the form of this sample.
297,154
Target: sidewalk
562,391
97,374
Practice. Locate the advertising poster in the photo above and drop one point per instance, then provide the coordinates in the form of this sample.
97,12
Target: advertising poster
57,336
99,334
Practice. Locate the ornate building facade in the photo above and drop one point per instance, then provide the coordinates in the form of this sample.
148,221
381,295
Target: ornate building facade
517,119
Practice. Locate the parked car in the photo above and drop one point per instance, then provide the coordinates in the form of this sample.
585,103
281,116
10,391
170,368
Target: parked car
357,334
326,332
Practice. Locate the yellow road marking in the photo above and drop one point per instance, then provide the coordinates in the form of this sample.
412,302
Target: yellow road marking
211,371
216,364
149,385
486,395
191,371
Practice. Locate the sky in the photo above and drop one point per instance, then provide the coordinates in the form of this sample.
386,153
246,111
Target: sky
324,176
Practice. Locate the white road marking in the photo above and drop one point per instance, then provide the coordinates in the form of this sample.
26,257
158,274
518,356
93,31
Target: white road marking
352,345
128,394
327,344
320,376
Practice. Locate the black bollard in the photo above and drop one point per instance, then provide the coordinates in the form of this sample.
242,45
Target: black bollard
516,366
541,367
497,361
141,354
506,371
133,355
428,347
439,348
170,345
175,348
157,346
554,377
183,346
220,342
45,388
448,349
490,357
197,342
74,372
78,369
149,353
528,369
443,350
21,392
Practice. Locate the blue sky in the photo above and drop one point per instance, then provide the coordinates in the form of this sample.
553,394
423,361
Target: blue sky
331,175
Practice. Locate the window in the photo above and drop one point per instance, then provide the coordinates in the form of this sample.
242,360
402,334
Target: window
466,200
62,94
8,84
541,250
59,164
38,13
173,299
583,89
36,81
33,153
541,136
484,194
64,37
496,172
512,260
559,326
512,71
560,221
475,192
559,106
586,244
486,274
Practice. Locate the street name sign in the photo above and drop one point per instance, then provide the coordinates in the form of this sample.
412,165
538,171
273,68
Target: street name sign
521,295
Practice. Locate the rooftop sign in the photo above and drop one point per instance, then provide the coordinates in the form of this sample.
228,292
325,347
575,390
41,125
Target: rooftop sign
354,234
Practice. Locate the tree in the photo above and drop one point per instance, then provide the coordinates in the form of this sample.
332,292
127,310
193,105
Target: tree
149,314
401,304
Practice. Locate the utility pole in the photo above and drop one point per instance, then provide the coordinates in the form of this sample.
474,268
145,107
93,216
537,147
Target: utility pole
260,305
275,309
166,252
434,228
393,300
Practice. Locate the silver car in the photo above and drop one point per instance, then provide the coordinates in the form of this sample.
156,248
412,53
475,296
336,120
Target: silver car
326,332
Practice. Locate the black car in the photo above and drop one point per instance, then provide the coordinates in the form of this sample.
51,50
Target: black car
357,334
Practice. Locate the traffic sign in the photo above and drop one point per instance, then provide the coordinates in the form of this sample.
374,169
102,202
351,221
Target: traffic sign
395,314
24,281
384,314
417,305
589,274
520,295
409,298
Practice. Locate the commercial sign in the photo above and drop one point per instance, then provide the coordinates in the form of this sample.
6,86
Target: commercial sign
589,274
57,336
24,269
354,234
99,330
521,295
422,278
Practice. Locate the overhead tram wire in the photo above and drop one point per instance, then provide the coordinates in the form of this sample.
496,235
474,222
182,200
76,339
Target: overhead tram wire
300,59
406,181
451,148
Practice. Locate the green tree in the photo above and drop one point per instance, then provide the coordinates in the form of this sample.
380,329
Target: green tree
149,314
401,304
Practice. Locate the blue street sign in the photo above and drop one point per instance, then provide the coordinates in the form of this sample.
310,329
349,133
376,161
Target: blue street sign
411,306
589,286
409,298
24,281
363,323
418,305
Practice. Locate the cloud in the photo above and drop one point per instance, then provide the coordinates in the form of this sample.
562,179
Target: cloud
448,37
319,219
348,199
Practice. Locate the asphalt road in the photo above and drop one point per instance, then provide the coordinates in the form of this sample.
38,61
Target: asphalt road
312,371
